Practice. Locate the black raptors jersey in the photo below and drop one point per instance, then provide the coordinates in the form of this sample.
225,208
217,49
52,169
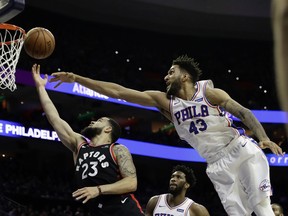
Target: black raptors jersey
98,166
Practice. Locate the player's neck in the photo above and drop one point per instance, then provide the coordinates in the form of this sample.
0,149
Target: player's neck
175,200
100,140
187,91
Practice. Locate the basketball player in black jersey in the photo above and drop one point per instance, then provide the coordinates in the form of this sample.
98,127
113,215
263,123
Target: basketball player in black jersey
105,172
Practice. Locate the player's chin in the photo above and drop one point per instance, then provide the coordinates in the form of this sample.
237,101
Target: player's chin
172,187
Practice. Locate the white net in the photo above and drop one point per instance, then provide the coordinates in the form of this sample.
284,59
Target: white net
11,42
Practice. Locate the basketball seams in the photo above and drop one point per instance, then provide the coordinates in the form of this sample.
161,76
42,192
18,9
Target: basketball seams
51,39
34,50
43,43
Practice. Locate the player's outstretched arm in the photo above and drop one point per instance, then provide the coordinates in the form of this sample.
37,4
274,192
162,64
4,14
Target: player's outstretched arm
145,98
65,133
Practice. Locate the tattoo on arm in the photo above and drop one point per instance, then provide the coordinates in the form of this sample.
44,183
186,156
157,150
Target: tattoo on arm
125,161
234,108
247,117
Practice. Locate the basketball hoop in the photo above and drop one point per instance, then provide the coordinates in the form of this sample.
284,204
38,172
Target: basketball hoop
11,42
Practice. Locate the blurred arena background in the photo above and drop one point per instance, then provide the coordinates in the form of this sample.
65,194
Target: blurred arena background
133,43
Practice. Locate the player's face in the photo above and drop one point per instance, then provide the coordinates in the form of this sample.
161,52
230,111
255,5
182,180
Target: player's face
177,183
100,123
276,210
95,127
173,81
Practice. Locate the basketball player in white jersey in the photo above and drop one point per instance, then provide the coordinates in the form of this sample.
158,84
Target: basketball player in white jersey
175,202
237,166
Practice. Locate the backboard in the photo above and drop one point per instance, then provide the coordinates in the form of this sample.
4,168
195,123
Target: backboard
10,8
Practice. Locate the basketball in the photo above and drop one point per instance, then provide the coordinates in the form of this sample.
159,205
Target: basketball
39,43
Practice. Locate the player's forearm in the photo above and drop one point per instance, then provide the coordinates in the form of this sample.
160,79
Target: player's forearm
107,88
125,185
248,118
47,105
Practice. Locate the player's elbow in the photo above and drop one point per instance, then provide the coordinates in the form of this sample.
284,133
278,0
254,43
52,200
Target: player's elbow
132,184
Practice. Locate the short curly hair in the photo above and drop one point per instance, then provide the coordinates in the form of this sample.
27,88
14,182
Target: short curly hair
116,130
189,174
190,65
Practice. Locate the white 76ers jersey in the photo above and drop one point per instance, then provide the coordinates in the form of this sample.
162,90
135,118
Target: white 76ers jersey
162,207
204,126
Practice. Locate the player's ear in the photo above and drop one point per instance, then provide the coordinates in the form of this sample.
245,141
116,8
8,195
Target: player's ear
187,185
108,129
185,77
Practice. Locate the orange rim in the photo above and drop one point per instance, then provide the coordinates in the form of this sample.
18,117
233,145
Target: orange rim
12,28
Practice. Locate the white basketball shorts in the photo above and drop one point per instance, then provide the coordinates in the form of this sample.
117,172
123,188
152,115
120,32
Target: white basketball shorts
241,176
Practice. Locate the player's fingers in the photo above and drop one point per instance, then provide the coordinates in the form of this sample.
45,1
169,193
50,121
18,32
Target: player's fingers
86,200
58,74
80,197
79,192
54,79
274,149
59,83
280,151
34,69
76,193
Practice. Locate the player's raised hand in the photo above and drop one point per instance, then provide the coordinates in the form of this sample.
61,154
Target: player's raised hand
276,149
39,81
61,77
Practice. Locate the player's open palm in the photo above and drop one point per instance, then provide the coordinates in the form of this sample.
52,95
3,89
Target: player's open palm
39,81
276,149
61,77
